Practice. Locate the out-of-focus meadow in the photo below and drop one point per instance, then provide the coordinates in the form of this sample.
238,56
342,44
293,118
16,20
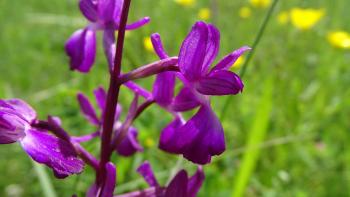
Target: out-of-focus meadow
287,135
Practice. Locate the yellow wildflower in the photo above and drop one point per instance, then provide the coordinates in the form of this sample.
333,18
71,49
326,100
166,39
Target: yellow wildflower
260,3
149,142
186,3
240,61
305,19
147,43
204,14
339,39
245,12
283,17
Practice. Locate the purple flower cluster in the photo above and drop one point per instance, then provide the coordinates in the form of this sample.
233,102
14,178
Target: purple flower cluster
197,139
202,136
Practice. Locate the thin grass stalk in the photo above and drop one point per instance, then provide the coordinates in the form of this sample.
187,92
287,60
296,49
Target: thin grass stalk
250,55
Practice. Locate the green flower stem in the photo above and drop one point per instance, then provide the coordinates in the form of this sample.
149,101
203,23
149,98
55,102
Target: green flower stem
250,55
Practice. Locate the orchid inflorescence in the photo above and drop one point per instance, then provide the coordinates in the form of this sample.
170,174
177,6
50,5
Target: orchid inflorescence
197,139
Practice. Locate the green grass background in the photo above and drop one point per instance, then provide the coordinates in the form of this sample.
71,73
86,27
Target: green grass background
291,124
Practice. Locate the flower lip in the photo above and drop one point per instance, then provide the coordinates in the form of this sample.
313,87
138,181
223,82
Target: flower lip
18,108
81,48
16,117
53,152
12,128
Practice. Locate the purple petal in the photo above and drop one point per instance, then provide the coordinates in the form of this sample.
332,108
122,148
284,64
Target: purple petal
185,100
178,186
109,186
129,145
110,10
118,112
138,90
133,106
213,46
146,171
18,107
141,22
86,138
209,140
195,183
81,48
192,52
89,9
149,192
220,82
5,105
226,62
170,139
110,181
92,191
118,10
163,88
158,46
55,120
109,46
87,109
53,152
12,127
101,97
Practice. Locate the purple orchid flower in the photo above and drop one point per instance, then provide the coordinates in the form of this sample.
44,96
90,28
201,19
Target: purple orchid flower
202,136
129,145
180,186
103,15
16,119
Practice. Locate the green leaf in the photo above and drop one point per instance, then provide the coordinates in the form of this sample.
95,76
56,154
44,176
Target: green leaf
256,136
45,182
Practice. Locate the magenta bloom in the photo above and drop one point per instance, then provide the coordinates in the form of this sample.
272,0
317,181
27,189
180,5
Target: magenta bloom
202,136
180,186
16,118
103,15
130,144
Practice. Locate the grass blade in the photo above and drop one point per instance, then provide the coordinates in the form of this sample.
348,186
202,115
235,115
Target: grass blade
250,55
256,136
45,182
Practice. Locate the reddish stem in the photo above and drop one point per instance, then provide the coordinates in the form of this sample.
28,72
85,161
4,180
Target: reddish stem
164,65
112,96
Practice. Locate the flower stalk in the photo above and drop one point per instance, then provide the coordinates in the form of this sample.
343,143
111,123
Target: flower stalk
112,95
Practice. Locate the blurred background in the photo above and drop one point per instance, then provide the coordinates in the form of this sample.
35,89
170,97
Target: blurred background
287,134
